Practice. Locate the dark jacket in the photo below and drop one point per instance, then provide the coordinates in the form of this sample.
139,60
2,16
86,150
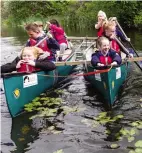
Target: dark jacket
96,57
43,64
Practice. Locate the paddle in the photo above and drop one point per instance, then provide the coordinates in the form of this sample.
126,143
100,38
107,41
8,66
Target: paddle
89,62
126,37
126,51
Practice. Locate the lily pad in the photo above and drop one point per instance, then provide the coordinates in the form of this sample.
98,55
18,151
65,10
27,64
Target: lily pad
138,144
130,139
132,151
59,151
114,146
138,150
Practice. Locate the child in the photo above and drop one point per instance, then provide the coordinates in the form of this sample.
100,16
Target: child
59,34
105,56
49,45
110,33
102,19
40,26
29,62
119,34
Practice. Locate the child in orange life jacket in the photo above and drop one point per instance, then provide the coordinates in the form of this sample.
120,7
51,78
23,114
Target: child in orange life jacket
29,62
59,34
102,19
110,33
49,45
105,56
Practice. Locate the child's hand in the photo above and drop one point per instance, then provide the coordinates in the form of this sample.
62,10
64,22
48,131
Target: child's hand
113,63
130,55
30,62
99,64
49,35
44,55
19,64
113,36
48,24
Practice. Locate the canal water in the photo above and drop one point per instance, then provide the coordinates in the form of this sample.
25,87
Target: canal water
23,135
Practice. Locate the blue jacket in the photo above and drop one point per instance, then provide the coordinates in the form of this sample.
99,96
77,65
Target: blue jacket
112,55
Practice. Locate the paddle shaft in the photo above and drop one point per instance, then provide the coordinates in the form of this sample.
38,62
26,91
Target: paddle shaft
125,50
89,62
126,37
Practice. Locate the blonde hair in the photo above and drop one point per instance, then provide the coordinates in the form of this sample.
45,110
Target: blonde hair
32,27
103,14
108,25
38,23
36,51
100,40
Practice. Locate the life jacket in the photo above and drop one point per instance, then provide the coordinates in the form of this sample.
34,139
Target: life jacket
115,46
43,45
26,68
60,37
105,60
100,32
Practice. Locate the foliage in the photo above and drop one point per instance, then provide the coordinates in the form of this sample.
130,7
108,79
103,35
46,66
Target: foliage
76,14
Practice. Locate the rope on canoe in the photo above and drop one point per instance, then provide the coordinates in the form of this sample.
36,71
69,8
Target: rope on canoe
82,74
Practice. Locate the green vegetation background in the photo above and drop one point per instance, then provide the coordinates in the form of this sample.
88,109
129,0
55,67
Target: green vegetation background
74,14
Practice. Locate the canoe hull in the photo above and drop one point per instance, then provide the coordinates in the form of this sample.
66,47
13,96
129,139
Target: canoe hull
109,83
19,90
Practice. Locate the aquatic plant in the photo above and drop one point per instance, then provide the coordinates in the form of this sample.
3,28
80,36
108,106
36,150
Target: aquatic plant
59,151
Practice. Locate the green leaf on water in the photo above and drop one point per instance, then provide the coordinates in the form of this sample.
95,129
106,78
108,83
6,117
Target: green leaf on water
133,131
36,99
51,128
56,132
130,139
114,146
138,144
138,150
134,124
59,151
124,132
132,151
102,114
139,127
107,132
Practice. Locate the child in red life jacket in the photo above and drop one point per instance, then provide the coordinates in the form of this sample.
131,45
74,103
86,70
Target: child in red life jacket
102,19
110,33
105,55
40,26
49,45
29,62
59,34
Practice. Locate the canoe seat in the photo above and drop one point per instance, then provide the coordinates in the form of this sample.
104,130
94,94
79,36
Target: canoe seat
65,55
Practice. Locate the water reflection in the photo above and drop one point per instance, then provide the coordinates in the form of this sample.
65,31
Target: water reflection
22,133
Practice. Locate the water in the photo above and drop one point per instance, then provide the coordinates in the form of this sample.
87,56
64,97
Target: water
21,135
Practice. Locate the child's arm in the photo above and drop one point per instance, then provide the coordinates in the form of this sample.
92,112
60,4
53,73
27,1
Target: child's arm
45,65
95,61
53,44
55,28
98,25
116,58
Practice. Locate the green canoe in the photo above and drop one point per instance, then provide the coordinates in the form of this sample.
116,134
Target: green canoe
108,83
22,88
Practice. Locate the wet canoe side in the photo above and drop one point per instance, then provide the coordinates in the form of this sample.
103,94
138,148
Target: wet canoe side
109,83
19,92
